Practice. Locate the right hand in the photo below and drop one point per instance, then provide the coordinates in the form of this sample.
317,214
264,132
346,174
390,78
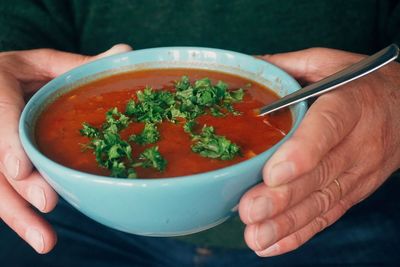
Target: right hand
21,74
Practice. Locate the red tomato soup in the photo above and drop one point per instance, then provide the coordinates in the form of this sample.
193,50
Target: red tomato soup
58,137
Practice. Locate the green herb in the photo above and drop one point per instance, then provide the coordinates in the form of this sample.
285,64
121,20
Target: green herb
151,157
186,103
152,106
196,98
188,126
182,84
149,135
216,112
210,145
118,169
89,131
234,96
112,152
114,118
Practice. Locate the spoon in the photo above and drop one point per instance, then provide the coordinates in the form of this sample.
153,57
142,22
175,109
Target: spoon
355,71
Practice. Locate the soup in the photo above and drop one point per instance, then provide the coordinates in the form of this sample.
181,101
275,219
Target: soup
68,129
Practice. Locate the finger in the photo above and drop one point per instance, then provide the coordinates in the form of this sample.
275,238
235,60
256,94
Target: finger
330,119
18,215
311,65
13,161
61,62
262,235
296,239
36,191
116,49
51,63
262,201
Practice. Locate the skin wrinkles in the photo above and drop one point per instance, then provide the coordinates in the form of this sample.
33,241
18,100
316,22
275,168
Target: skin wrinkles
350,134
339,144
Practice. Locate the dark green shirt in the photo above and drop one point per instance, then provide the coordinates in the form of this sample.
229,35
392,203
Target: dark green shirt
253,27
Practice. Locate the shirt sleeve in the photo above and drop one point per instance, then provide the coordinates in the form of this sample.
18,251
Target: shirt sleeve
29,24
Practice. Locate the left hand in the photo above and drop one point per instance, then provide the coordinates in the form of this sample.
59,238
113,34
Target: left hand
21,187
347,145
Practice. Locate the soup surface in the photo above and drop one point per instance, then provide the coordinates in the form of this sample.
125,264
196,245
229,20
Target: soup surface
58,127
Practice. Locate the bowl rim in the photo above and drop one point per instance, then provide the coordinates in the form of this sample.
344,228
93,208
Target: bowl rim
31,149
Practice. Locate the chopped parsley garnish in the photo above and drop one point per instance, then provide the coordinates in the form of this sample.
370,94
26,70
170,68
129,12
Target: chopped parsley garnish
151,158
188,126
152,106
112,153
194,99
114,118
89,130
149,135
183,105
210,145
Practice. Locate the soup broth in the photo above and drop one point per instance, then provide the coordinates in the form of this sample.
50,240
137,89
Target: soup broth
58,127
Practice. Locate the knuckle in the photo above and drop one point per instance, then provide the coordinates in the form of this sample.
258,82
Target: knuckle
344,205
335,126
324,171
290,219
249,237
286,195
48,56
283,198
8,106
307,161
378,152
319,224
297,240
323,200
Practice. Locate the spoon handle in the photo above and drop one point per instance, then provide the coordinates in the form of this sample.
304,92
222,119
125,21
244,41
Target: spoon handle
344,76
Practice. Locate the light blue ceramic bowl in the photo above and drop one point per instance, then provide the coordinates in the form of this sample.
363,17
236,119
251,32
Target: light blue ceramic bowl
157,207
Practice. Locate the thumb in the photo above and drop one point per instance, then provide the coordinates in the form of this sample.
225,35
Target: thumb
313,64
69,61
40,65
116,49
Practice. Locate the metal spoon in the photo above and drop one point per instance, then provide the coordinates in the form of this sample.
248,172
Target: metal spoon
349,74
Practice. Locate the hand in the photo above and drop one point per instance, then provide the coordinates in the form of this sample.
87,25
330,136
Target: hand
347,145
21,74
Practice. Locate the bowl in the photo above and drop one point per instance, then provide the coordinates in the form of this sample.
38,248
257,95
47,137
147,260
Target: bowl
167,206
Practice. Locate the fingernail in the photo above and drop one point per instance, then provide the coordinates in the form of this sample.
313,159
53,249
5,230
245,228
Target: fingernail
264,235
281,173
118,48
259,209
12,166
35,239
37,197
271,251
